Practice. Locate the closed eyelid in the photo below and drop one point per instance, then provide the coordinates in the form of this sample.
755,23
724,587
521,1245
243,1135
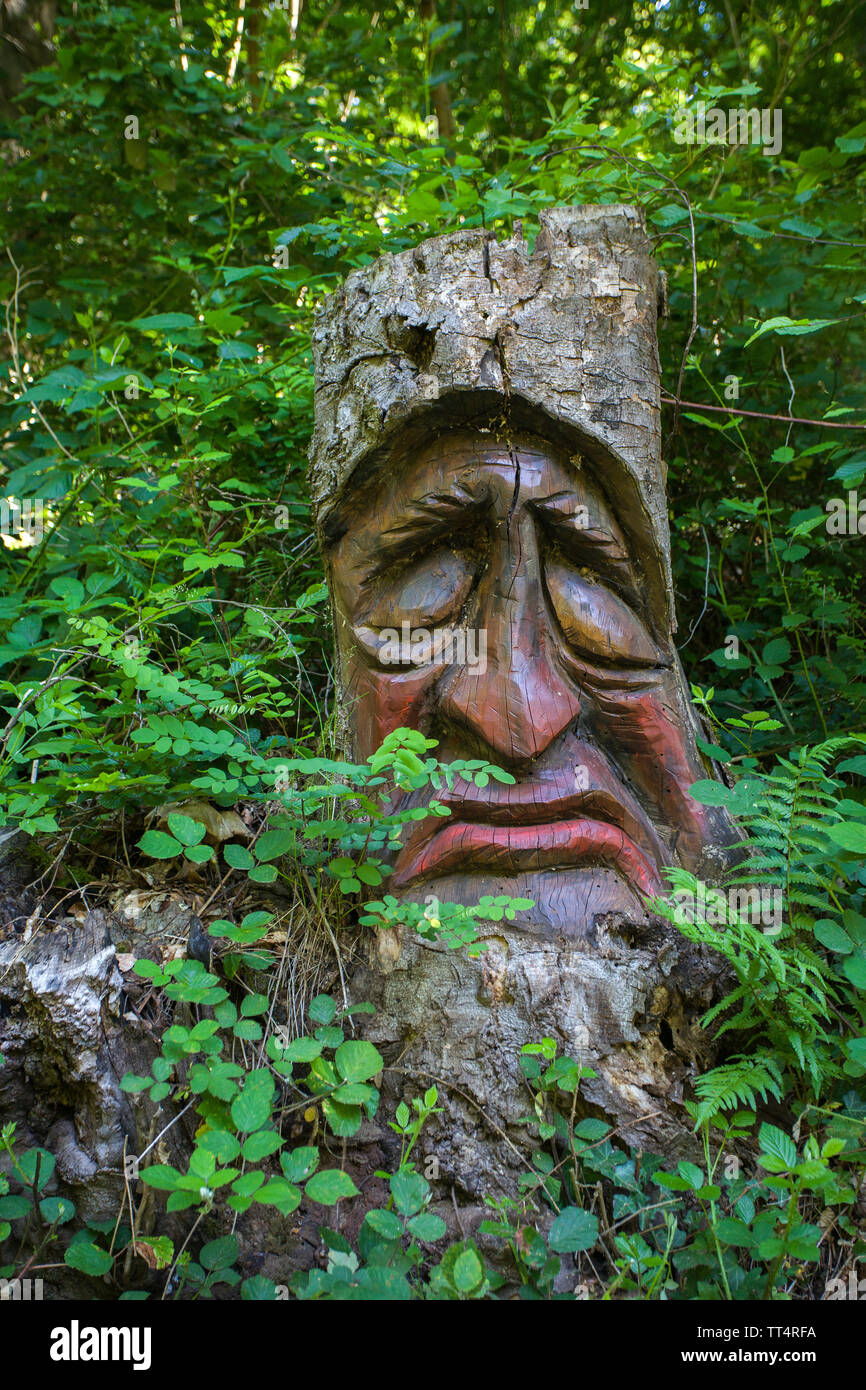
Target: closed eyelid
607,628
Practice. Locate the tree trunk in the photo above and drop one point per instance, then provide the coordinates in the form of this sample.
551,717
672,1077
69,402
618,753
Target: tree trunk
479,357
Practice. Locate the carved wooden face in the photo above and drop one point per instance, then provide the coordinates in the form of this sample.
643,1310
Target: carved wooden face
486,595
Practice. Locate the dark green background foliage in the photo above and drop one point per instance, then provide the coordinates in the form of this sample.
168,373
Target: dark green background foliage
186,264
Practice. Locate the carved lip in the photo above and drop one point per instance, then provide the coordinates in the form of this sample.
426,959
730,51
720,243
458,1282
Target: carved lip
531,834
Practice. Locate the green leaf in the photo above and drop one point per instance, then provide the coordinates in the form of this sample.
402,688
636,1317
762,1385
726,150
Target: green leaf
300,1163
219,1142
427,1227
782,324
160,1175
14,1206
159,845
248,1029
777,1144
672,1181
199,854
849,836
56,1210
574,1229
834,937
409,1191
358,1061
263,873
87,1257
693,1175
369,874
591,1129
322,1009
285,1196
712,750
384,1223
303,1050
273,844
253,1004
164,322
776,651
185,829
260,1145
251,1109
330,1185
734,1232
219,1253
37,1162
238,857
855,969
247,1184
468,1272
258,1288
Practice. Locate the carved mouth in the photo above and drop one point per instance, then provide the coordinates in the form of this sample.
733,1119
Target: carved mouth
547,844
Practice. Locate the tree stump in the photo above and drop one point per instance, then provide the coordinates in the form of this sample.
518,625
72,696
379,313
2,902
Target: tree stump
490,502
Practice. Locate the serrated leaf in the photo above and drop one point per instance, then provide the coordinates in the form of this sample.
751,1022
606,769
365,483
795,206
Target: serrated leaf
159,845
849,836
330,1185
260,1145
409,1190
358,1061
185,829
87,1257
776,1143
468,1272
574,1229
219,1253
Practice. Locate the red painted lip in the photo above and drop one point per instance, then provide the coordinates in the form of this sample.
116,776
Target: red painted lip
556,843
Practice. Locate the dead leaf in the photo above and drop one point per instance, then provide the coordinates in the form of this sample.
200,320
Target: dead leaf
147,1253
219,824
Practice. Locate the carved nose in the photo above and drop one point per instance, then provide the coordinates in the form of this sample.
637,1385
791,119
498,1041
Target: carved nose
520,703
517,709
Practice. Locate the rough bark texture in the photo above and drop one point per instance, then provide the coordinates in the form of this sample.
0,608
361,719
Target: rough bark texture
627,1010
70,1028
564,334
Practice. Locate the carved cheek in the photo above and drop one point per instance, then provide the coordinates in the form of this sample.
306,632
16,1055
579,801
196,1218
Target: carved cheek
380,702
653,750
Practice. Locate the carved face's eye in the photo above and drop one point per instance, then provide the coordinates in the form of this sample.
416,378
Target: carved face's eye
596,623
425,592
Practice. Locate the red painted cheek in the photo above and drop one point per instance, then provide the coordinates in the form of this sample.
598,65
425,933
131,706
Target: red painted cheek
379,703
654,753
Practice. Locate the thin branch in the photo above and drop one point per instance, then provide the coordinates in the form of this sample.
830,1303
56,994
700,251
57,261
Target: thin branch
761,415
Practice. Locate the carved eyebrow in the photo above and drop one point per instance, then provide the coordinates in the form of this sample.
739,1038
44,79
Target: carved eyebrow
593,545
437,507
431,517
565,515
